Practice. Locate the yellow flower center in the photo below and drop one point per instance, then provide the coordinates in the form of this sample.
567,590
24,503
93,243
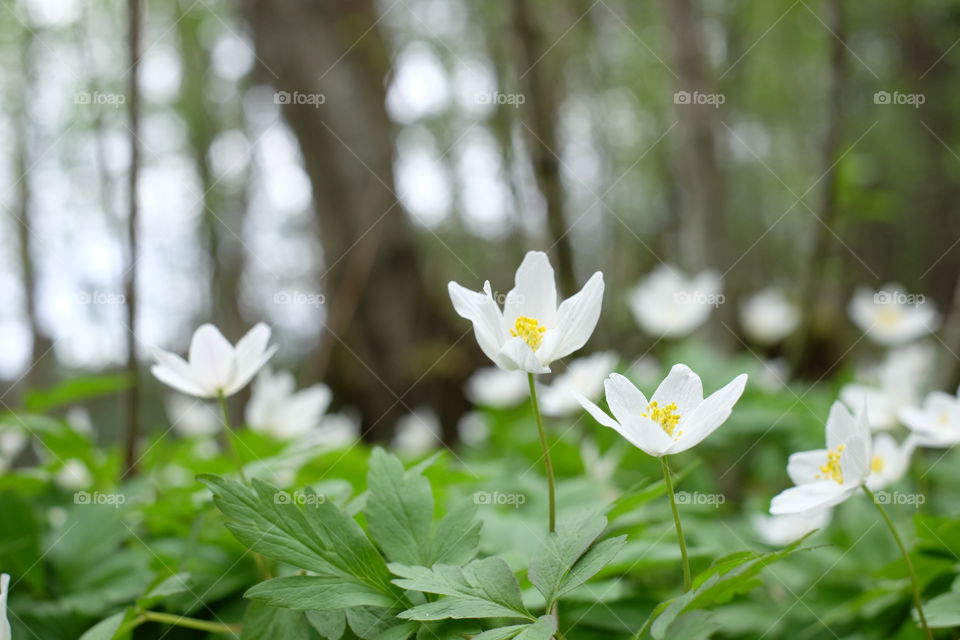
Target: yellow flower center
530,330
877,464
889,316
667,417
943,419
832,470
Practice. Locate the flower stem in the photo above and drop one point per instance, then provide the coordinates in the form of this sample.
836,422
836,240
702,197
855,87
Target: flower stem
676,521
906,559
547,461
228,431
191,623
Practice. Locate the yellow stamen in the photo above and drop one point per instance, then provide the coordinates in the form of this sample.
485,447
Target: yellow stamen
943,419
832,470
667,417
877,464
530,330
889,316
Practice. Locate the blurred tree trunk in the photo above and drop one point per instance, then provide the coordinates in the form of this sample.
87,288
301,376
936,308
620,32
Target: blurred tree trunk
382,315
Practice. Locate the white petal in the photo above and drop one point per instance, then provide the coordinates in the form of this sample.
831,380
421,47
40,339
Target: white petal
808,497
517,354
624,399
709,414
251,367
598,414
681,386
173,371
5,633
855,460
841,425
576,320
534,294
483,312
212,358
803,467
251,355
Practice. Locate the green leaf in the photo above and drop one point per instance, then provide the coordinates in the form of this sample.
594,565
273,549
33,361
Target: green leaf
318,593
379,624
170,586
482,589
554,561
943,611
329,624
106,629
263,621
542,629
74,391
457,537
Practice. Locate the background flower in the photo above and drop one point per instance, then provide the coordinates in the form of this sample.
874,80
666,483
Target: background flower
668,303
767,317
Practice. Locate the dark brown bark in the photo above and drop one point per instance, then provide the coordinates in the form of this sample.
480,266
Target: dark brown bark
385,326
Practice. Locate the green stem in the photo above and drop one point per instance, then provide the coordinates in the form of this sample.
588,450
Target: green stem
676,521
906,558
191,623
547,461
228,431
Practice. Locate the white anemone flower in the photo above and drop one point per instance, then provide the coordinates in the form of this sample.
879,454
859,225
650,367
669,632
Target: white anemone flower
215,367
12,442
497,388
767,317
192,418
531,331
888,461
5,632
73,475
675,419
827,477
891,316
937,422
670,304
417,432
895,384
779,531
278,409
584,376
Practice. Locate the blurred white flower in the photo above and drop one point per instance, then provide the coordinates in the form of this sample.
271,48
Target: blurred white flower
276,407
677,417
497,388
892,317
889,461
215,366
531,331
473,429
417,432
73,475
767,317
584,376
668,303
12,441
827,477
5,632
336,430
779,531
192,418
937,422
78,418
895,384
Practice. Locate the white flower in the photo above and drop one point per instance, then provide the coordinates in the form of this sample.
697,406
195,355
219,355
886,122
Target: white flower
896,384
73,475
584,376
193,418
12,441
497,388
891,316
889,461
473,429
78,419
336,430
778,531
276,407
215,366
531,331
668,303
417,432
827,477
675,419
937,422
767,317
5,632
